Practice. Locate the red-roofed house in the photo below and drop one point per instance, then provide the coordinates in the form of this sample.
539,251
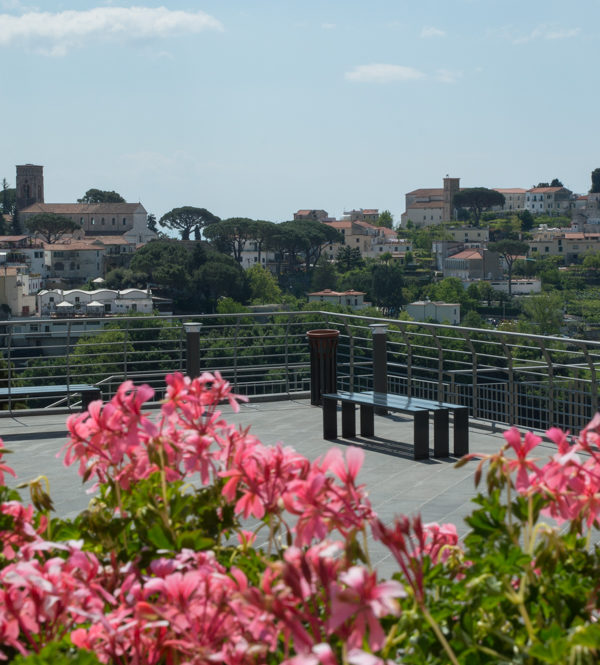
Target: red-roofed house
472,264
548,200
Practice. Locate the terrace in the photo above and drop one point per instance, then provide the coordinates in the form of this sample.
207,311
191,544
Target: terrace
504,378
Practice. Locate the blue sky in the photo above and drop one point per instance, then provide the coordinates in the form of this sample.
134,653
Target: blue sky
260,108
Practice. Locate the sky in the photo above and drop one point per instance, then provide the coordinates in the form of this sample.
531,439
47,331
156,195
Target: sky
260,108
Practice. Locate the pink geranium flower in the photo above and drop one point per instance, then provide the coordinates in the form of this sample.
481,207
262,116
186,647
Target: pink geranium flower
523,464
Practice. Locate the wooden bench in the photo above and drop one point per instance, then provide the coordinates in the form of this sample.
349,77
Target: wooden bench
88,393
420,408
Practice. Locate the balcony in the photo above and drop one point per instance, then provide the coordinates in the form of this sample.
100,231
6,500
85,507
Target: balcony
504,378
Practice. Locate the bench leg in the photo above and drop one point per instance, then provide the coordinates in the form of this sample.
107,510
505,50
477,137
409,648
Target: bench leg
421,435
348,420
329,418
89,396
441,445
461,431
367,421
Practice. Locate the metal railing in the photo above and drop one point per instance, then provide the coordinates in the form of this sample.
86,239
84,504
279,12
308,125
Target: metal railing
511,378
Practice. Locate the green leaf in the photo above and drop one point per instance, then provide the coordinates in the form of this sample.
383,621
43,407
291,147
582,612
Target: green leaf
159,537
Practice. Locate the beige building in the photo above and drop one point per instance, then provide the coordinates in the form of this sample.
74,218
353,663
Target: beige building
353,299
572,246
17,290
514,199
426,207
470,235
369,215
75,261
356,234
317,215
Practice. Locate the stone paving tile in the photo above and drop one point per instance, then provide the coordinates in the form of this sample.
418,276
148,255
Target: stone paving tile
396,483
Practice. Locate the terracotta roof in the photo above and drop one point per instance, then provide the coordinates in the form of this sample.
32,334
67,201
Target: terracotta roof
510,190
83,208
371,211
329,292
468,254
583,198
12,238
427,192
340,224
544,190
72,246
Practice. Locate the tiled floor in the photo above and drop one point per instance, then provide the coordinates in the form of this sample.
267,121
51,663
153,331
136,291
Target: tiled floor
396,483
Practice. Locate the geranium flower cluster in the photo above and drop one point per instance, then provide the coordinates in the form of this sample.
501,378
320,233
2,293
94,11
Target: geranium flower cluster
308,597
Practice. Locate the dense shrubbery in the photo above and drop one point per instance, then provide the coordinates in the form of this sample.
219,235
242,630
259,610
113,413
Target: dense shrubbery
160,570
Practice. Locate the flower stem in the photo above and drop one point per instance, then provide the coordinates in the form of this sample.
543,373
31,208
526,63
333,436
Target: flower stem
438,632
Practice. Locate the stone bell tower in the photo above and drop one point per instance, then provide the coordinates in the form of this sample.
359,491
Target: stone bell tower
30,185
451,187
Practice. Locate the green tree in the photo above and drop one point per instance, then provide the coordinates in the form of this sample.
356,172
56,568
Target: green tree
9,198
263,286
385,219
325,276
477,199
542,314
219,279
348,258
152,223
509,250
50,227
527,220
101,196
387,287
556,183
188,219
231,235
595,181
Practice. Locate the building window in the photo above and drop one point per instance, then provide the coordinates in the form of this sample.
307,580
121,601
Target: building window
102,221
114,221
124,221
81,221
92,221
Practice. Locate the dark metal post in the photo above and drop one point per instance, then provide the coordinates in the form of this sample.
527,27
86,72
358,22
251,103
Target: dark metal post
380,375
192,353
323,363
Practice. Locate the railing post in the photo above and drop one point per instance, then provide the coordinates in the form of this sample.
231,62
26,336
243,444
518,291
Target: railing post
380,374
192,355
125,340
235,353
350,356
475,385
408,346
287,356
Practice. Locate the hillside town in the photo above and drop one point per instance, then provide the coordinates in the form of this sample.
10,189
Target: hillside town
456,252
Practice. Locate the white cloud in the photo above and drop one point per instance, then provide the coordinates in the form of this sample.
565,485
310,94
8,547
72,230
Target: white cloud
448,75
430,31
382,73
328,26
545,31
56,33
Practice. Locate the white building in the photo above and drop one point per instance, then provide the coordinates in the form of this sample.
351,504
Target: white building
441,312
59,302
548,200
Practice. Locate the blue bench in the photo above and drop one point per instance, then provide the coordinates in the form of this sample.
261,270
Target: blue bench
88,393
370,401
